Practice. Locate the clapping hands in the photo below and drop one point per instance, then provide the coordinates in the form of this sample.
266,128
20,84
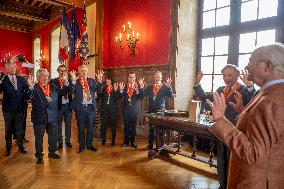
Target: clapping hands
100,75
73,76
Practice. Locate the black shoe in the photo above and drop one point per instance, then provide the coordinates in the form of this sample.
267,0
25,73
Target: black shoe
134,145
68,144
59,146
54,156
103,143
8,153
23,150
149,147
125,144
39,160
92,148
80,149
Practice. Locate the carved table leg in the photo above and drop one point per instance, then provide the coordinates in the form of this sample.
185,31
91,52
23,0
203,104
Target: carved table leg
194,143
211,154
179,142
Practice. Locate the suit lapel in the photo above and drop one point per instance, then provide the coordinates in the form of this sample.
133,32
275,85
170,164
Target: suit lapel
9,82
41,95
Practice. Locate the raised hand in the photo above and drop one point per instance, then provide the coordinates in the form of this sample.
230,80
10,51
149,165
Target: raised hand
73,76
115,86
141,83
198,78
218,106
100,75
239,105
244,78
65,78
136,89
31,82
169,82
121,86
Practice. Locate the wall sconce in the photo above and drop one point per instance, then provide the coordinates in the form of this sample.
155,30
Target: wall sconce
131,39
41,60
6,58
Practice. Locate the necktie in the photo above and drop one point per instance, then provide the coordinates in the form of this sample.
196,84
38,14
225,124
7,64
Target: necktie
13,82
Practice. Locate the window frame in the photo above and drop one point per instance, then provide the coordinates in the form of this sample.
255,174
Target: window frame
235,28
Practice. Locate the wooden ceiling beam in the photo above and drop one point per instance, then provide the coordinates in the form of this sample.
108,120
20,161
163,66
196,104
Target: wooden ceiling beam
34,2
56,3
47,6
42,3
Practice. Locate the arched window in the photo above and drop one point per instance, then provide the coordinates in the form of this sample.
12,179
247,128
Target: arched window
54,49
36,54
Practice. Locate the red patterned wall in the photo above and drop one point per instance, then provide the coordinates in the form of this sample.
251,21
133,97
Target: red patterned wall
151,18
15,43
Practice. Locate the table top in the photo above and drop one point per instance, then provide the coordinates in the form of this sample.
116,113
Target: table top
180,124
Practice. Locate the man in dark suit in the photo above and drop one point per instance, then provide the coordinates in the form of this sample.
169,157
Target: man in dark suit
64,101
84,105
233,87
157,94
15,91
109,98
44,116
132,95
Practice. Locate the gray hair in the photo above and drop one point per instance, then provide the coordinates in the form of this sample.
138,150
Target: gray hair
274,53
234,67
40,71
158,72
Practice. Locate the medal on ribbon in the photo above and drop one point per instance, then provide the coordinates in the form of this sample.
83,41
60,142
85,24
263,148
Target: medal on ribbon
130,91
46,91
60,82
228,94
156,89
85,87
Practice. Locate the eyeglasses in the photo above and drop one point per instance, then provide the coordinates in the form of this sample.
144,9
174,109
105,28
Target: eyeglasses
62,70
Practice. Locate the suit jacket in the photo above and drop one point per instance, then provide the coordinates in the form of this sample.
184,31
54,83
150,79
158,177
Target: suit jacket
133,107
77,90
44,112
112,100
230,112
257,142
159,102
14,100
67,92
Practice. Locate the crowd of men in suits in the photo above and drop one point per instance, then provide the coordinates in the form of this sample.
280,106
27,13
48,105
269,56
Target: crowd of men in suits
248,123
54,100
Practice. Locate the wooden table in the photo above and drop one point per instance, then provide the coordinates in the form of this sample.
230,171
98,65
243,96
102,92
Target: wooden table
165,125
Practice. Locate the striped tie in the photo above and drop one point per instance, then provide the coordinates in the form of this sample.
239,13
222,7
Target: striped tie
13,82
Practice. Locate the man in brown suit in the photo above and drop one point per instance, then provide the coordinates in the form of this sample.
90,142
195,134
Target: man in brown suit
257,142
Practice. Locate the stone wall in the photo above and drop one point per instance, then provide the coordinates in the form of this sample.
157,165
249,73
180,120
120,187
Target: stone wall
187,52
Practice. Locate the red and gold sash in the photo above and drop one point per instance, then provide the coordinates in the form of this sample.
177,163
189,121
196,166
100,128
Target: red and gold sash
130,90
109,90
227,93
46,90
156,89
85,85
60,82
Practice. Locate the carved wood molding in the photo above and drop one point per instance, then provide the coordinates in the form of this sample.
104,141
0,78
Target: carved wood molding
16,24
22,11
